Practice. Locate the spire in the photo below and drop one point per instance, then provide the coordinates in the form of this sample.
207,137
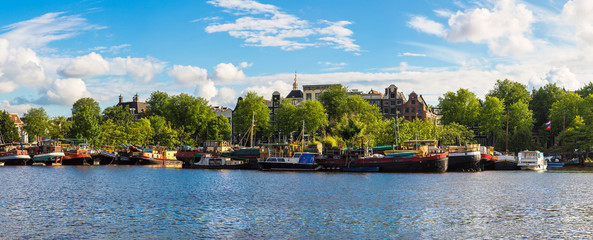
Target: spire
295,85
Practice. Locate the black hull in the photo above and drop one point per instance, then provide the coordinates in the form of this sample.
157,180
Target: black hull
238,166
125,161
506,165
464,163
289,166
435,165
76,161
16,162
487,164
157,162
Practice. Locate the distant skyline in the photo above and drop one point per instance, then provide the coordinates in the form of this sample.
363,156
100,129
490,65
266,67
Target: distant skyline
55,52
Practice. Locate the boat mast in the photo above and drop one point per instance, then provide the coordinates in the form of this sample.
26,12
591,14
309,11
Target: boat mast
563,132
252,128
303,137
506,147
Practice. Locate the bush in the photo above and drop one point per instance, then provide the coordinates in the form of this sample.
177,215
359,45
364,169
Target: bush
330,142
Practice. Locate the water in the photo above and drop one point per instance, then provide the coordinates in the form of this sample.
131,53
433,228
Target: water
163,203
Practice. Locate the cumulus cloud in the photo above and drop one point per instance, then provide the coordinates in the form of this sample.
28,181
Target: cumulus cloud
270,27
577,14
188,75
142,69
39,31
225,96
207,90
64,92
505,28
19,66
331,66
85,66
228,72
561,76
266,88
14,108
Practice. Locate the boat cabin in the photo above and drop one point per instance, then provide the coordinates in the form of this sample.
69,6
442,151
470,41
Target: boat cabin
280,150
296,158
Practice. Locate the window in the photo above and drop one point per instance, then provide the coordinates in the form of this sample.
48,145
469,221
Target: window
393,111
413,101
399,110
308,96
407,110
413,110
392,103
392,95
399,102
419,110
385,110
316,96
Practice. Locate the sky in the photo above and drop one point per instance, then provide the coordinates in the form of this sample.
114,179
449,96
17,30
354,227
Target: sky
55,52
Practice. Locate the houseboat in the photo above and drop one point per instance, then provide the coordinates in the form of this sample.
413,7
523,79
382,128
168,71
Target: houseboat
286,157
47,153
154,157
464,158
213,161
487,158
505,161
13,154
187,155
76,152
531,160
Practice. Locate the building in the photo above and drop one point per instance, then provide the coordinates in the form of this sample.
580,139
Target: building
18,123
312,92
137,108
227,112
394,104
296,95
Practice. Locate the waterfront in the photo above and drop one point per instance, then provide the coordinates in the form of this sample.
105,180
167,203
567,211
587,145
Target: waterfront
159,203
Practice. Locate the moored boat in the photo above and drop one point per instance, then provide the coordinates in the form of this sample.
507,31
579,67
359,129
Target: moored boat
531,160
487,158
286,157
153,157
47,152
464,158
76,152
212,161
11,154
505,161
187,155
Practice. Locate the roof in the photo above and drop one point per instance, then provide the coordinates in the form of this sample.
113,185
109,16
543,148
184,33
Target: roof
15,118
295,94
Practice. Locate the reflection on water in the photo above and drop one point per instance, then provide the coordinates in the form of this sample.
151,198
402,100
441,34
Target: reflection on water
157,203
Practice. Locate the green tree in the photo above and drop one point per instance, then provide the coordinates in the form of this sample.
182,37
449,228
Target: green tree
119,115
333,100
218,128
157,103
191,113
141,132
461,107
112,134
585,90
85,114
417,129
455,134
350,130
566,109
164,134
541,103
36,122
9,131
313,113
59,127
509,91
252,105
286,118
492,116
377,129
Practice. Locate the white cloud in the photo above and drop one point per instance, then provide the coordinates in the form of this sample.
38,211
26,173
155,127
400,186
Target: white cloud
142,69
413,54
331,66
7,86
19,66
85,66
18,108
188,75
561,76
37,32
225,96
228,72
64,92
426,25
207,90
577,15
278,29
265,88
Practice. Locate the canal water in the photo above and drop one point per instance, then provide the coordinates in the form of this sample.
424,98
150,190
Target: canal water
163,203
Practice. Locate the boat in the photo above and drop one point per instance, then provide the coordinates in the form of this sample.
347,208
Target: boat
300,161
531,160
154,157
464,158
11,154
248,154
123,155
505,161
412,156
212,161
105,156
187,155
76,152
487,158
47,153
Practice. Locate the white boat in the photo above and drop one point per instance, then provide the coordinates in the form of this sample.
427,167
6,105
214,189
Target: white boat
532,160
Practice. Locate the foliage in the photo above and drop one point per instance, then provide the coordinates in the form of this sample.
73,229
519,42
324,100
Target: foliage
36,122
163,134
585,90
119,115
313,113
189,112
157,103
567,109
218,128
461,107
252,106
85,114
350,130
455,134
329,142
521,139
520,116
7,128
418,129
89,104
541,103
333,100
59,127
492,117
112,134
377,129
140,132
510,92
286,118
313,144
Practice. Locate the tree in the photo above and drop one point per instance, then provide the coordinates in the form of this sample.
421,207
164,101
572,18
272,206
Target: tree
191,113
350,130
36,122
157,103
119,115
461,107
418,129
59,127
313,113
509,91
163,135
86,113
585,90
252,105
112,134
218,128
333,99
455,134
286,118
141,132
566,110
492,116
376,127
541,103
8,130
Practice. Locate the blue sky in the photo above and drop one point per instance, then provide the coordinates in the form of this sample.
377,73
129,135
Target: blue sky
54,52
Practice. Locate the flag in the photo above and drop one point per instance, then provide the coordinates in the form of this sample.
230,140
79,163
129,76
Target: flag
548,123
549,127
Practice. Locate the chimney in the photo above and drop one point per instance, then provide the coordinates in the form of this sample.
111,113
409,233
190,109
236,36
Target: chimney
121,99
136,97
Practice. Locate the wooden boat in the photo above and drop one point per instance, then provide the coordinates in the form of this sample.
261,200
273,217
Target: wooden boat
464,158
413,156
76,152
47,152
213,161
531,160
505,161
13,154
154,157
